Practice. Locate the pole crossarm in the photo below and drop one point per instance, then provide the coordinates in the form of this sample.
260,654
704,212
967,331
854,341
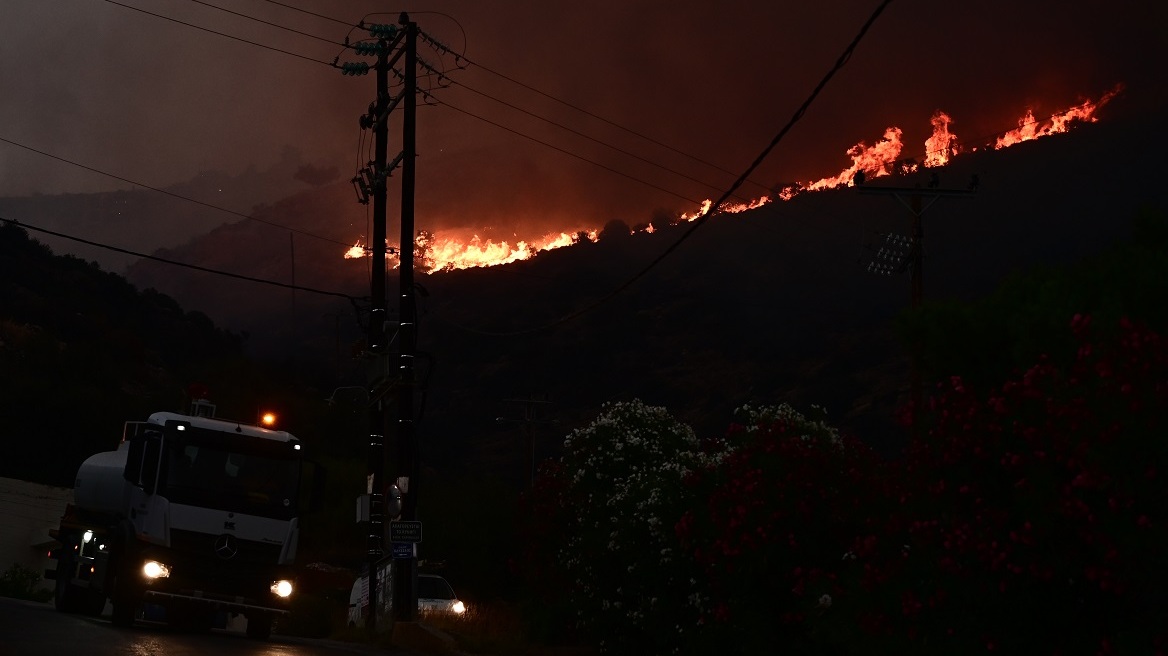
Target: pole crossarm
929,193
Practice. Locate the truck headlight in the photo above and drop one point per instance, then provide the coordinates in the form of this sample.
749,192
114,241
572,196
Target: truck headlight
155,570
458,608
282,589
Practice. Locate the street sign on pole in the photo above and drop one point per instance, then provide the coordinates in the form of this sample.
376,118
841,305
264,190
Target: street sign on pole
410,531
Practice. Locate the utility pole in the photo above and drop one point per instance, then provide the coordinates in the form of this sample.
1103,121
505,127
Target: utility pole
405,599
377,346
916,265
371,180
529,422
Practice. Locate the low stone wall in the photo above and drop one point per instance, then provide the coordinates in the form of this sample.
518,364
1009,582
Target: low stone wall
27,512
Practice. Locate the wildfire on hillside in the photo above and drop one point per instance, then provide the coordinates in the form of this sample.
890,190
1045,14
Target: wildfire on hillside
446,252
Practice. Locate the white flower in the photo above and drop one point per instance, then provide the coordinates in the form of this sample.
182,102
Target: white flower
825,601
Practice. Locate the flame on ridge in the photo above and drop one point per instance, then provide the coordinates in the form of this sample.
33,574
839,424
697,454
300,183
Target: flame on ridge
445,253
943,144
1031,128
434,253
448,253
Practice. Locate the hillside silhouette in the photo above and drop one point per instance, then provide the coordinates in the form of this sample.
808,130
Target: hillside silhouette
82,351
768,305
765,306
144,220
762,307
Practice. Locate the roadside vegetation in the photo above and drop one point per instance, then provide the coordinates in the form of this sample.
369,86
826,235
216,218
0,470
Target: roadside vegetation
1025,517
1025,520
20,582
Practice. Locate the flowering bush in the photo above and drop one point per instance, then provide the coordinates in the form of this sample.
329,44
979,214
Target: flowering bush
613,499
1029,519
1037,515
771,535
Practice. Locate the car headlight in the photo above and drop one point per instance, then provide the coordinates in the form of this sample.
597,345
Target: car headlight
458,607
282,589
153,569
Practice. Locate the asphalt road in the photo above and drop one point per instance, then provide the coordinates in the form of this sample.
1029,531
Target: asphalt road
36,629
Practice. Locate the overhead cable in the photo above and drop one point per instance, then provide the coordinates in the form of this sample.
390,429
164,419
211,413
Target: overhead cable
237,276
700,220
222,34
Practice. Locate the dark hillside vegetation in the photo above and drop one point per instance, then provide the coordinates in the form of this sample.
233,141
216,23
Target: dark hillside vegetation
768,305
988,339
82,351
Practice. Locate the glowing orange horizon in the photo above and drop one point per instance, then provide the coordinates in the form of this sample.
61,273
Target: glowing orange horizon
447,252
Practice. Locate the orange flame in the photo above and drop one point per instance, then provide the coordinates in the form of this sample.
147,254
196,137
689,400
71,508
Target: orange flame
355,251
1031,128
943,144
690,217
874,161
726,208
450,253
446,253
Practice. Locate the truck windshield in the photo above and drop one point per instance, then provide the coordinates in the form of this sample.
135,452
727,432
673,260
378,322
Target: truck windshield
259,480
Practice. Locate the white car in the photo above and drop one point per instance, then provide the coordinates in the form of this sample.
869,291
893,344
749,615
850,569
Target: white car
434,596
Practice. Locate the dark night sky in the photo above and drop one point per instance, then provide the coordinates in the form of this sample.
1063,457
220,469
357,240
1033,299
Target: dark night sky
159,102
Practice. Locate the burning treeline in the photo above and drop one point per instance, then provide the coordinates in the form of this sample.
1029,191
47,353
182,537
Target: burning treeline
445,252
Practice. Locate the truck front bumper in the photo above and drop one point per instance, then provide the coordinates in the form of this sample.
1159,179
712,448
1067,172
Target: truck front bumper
232,605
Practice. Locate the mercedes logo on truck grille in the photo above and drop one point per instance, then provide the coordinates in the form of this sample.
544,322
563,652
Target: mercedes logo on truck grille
226,546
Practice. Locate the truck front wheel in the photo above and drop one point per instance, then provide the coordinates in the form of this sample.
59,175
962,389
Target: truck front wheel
123,612
66,596
94,603
125,601
259,627
124,594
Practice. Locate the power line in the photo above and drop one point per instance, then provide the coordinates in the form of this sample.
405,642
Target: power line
578,133
697,223
222,34
170,193
586,112
438,45
567,152
269,23
310,13
473,90
513,81
332,65
237,276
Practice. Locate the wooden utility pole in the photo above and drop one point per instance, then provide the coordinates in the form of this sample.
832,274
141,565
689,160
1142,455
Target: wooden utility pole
371,180
405,595
915,197
529,422
377,346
